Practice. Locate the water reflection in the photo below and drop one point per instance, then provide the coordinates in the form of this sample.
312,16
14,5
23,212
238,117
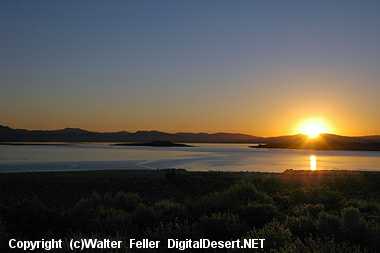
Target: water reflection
203,157
313,162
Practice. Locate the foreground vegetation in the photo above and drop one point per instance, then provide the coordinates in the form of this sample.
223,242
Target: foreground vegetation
294,211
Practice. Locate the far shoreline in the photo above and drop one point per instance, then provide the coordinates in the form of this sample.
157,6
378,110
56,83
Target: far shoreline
200,172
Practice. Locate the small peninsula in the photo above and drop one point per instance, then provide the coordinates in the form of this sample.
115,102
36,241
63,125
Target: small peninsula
323,142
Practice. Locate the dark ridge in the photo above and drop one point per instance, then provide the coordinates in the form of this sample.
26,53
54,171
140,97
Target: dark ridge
323,142
8,134
154,144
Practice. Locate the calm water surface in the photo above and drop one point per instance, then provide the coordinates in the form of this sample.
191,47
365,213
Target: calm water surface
221,157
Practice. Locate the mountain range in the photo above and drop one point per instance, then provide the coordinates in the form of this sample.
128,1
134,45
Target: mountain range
299,141
80,135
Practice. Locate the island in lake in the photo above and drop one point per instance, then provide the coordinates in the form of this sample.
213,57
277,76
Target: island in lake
154,144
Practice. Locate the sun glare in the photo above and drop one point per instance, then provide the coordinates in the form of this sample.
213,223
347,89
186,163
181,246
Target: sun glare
313,162
313,127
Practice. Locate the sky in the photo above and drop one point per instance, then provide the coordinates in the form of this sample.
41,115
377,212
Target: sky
255,67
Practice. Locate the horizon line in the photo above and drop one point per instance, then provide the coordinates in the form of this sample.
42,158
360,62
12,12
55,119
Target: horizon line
180,132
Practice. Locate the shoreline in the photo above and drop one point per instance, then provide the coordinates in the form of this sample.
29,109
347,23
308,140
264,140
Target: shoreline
180,170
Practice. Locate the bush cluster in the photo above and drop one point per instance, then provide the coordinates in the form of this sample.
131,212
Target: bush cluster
291,217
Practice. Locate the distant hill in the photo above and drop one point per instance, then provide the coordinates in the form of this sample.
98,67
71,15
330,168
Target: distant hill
8,134
323,142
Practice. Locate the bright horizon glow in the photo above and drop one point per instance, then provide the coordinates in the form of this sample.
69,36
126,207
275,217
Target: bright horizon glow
313,127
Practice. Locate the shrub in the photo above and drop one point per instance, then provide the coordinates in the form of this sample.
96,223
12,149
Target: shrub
354,226
3,238
257,215
230,199
246,192
144,217
276,236
303,226
313,210
163,231
330,199
30,216
218,226
169,211
110,220
126,201
329,225
317,245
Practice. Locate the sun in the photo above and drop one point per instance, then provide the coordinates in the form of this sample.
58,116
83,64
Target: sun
313,127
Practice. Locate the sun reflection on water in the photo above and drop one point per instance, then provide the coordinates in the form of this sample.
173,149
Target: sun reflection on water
313,162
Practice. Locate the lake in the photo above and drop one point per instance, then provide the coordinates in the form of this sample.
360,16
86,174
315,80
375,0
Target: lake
203,157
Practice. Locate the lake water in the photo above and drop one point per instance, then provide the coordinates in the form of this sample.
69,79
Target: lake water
216,157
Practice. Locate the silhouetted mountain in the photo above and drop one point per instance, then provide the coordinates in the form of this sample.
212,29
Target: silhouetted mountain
78,135
323,142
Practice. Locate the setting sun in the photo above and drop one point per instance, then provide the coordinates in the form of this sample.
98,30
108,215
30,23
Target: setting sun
313,127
